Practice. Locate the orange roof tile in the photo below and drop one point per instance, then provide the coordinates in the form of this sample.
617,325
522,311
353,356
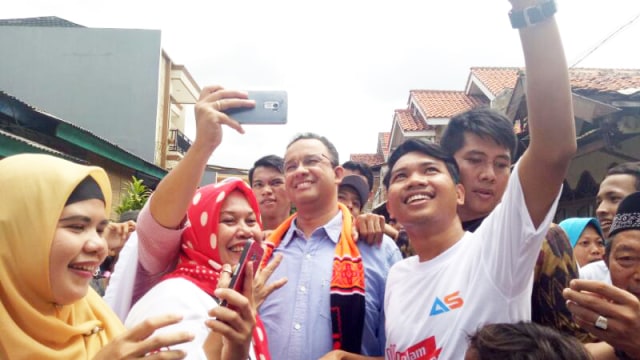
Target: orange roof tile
383,143
408,122
369,159
604,80
496,79
444,104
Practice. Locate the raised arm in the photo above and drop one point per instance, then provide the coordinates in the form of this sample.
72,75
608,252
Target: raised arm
171,199
543,166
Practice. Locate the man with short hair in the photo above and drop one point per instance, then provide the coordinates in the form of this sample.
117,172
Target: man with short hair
266,178
483,144
620,181
334,295
460,280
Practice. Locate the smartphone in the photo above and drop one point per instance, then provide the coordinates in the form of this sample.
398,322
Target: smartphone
271,108
252,251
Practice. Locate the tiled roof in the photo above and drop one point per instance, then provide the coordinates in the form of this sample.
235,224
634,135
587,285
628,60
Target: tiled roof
604,80
383,143
408,122
496,79
44,21
369,159
444,104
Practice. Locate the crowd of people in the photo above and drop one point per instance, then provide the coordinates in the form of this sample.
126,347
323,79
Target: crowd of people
467,264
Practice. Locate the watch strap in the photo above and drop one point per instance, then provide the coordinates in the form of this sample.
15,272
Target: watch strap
532,15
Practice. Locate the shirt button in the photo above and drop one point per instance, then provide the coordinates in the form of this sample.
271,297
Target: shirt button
303,289
308,256
297,326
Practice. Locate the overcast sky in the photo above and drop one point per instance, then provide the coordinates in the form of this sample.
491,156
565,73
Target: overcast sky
346,64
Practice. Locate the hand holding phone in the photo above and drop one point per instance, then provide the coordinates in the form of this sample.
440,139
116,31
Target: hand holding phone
271,108
253,252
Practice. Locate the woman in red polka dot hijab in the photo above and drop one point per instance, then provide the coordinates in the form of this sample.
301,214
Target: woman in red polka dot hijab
221,218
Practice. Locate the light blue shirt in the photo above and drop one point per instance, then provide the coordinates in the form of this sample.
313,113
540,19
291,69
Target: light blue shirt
297,316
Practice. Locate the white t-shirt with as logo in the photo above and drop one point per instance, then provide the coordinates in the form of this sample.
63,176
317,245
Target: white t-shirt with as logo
431,307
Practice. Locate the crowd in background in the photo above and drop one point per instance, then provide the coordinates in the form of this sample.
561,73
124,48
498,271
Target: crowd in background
465,263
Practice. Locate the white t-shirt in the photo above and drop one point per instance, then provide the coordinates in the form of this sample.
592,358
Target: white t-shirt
431,307
596,270
178,296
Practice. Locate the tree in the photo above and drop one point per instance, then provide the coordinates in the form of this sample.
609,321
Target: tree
136,195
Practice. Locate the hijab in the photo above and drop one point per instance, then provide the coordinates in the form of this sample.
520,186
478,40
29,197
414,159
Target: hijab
574,227
199,260
35,189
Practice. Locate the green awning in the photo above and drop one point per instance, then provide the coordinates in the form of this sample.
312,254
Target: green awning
79,137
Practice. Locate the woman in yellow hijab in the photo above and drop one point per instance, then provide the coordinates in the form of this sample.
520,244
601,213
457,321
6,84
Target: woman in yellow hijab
52,213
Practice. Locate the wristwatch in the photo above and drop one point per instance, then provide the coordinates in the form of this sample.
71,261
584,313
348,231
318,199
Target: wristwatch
532,15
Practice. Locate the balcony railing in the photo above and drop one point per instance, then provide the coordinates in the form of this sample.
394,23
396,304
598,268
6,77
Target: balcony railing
178,141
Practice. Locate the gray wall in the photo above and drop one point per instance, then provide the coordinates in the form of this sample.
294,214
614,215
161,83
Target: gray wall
104,80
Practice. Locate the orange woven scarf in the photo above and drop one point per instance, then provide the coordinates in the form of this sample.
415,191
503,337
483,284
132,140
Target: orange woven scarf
347,284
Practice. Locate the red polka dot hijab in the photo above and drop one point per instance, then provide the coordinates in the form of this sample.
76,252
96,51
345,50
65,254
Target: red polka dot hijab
199,257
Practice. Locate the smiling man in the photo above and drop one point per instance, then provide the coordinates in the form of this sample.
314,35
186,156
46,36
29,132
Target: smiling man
333,298
267,182
459,280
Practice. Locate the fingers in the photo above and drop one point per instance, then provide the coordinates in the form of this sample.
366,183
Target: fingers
605,290
265,273
157,343
235,322
137,341
370,228
260,288
147,327
166,355
225,276
247,290
208,90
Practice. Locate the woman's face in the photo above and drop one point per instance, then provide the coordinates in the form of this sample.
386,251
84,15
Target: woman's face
77,250
236,225
590,247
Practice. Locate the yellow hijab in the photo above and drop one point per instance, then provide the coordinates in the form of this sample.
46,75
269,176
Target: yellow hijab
34,189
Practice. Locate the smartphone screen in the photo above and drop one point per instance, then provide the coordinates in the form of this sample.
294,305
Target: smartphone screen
252,251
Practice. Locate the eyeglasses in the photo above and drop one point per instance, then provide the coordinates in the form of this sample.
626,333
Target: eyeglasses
308,161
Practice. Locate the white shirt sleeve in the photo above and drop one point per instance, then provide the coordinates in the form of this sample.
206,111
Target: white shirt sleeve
509,243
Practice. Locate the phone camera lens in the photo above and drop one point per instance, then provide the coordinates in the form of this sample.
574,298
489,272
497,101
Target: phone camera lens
275,106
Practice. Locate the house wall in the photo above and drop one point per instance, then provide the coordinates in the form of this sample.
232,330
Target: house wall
104,80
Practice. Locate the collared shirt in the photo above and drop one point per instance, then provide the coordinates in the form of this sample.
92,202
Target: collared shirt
297,316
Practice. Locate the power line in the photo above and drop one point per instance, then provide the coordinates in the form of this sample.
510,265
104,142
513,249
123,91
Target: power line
605,40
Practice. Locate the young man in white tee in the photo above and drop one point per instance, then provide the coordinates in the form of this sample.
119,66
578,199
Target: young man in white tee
460,281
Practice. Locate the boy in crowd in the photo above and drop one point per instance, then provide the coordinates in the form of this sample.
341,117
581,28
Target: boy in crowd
353,193
483,144
266,178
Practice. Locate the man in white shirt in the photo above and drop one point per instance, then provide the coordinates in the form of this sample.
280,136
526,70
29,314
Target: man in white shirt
460,281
